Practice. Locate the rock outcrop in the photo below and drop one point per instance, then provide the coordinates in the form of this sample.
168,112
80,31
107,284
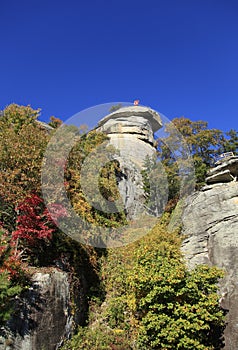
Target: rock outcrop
131,131
43,317
210,227
225,172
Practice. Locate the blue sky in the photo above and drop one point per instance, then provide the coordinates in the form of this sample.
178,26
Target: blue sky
179,57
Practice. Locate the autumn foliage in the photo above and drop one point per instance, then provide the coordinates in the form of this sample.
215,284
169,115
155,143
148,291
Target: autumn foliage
34,222
22,146
152,300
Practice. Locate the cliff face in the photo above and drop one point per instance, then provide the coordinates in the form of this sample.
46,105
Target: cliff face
43,317
210,225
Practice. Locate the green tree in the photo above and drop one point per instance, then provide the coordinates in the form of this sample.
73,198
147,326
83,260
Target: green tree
105,181
230,143
7,293
15,116
184,138
55,122
177,308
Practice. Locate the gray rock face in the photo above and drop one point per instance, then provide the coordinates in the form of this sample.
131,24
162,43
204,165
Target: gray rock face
210,225
225,172
44,316
130,130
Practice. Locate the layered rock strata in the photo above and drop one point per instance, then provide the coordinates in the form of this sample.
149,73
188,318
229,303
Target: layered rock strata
225,172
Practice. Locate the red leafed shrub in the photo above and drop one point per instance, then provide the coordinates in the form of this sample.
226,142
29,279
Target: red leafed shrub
34,222
57,211
10,256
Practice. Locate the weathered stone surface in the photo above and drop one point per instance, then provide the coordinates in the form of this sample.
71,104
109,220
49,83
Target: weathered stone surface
210,227
130,186
43,317
231,163
222,176
148,114
130,130
225,172
129,125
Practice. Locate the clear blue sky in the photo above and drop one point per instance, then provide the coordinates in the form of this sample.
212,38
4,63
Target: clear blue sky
178,56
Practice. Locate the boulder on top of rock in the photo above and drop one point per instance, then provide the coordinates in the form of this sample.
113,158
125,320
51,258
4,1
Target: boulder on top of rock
225,171
135,111
131,131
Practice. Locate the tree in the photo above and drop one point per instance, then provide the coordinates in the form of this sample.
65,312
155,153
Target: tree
176,308
15,116
153,300
55,122
33,221
183,138
22,147
230,144
35,227
105,180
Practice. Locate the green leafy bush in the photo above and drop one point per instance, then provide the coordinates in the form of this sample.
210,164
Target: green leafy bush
13,277
7,292
176,308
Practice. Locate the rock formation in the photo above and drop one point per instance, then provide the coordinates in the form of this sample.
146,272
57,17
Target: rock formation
45,316
210,227
42,318
131,131
225,172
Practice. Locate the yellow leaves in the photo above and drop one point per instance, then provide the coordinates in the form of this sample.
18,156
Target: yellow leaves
21,153
16,117
82,207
